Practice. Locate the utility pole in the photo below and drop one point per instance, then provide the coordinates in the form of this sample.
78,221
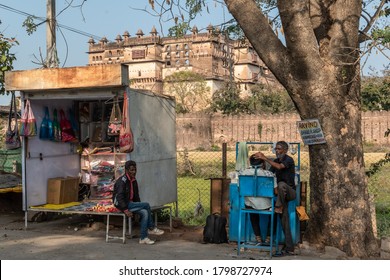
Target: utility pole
51,48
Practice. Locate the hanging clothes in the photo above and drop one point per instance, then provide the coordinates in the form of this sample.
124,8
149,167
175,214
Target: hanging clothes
242,157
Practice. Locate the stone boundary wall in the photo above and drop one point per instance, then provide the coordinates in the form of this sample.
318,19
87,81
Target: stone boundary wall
195,131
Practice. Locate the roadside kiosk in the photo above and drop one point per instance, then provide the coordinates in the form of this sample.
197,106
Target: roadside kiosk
54,171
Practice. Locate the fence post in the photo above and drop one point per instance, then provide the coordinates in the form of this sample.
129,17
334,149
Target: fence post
224,159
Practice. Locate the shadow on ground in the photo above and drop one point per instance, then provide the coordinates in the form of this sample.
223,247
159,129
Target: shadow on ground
65,237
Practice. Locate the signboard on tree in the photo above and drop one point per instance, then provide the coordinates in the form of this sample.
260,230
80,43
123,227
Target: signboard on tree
311,132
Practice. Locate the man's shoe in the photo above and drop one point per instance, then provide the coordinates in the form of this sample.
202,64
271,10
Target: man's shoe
146,241
289,253
155,231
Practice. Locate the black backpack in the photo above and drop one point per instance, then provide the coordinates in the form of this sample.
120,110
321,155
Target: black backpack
215,229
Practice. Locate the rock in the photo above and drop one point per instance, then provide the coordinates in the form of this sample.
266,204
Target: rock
334,252
385,248
385,255
327,252
385,244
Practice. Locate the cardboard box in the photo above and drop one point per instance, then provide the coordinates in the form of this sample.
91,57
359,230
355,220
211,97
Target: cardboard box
62,190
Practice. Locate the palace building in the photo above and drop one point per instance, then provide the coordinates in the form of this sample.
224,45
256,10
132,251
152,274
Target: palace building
151,58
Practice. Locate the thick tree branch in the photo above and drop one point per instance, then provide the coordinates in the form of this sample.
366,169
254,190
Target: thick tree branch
257,29
344,43
300,38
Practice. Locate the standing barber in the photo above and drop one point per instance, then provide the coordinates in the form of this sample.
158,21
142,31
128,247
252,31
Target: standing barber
284,168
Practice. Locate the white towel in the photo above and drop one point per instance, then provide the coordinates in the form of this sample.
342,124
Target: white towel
242,157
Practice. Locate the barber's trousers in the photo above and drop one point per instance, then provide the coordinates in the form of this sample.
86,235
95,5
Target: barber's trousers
286,193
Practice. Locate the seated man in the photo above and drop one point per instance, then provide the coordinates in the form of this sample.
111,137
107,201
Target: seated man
126,198
259,203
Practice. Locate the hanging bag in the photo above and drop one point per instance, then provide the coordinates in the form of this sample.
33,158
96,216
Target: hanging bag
56,127
67,133
73,123
12,139
126,141
28,125
46,130
115,122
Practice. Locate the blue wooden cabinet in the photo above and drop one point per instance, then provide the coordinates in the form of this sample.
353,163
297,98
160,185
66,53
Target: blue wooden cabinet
247,183
233,217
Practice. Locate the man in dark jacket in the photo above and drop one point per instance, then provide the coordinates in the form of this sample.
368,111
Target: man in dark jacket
126,198
284,168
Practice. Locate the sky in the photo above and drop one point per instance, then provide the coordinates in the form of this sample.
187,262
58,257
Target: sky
99,18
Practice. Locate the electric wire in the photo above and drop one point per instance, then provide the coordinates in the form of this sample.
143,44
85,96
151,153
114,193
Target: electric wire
80,32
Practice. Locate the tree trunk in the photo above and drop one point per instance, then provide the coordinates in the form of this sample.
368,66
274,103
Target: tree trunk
339,202
319,67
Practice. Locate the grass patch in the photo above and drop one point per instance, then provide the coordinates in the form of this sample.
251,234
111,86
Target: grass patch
191,190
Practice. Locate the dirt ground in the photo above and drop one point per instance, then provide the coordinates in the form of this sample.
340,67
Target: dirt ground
74,237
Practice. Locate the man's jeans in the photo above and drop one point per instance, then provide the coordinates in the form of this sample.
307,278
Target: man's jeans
143,210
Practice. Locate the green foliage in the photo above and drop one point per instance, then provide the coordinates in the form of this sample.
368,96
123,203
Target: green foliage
6,57
162,215
263,99
182,23
267,100
227,100
190,89
29,24
259,129
215,148
375,94
190,191
379,188
179,30
375,167
195,7
189,219
381,35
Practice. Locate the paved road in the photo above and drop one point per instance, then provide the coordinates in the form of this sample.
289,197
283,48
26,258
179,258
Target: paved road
71,238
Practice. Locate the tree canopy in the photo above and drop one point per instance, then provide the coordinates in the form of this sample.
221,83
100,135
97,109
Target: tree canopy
376,93
190,89
6,57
